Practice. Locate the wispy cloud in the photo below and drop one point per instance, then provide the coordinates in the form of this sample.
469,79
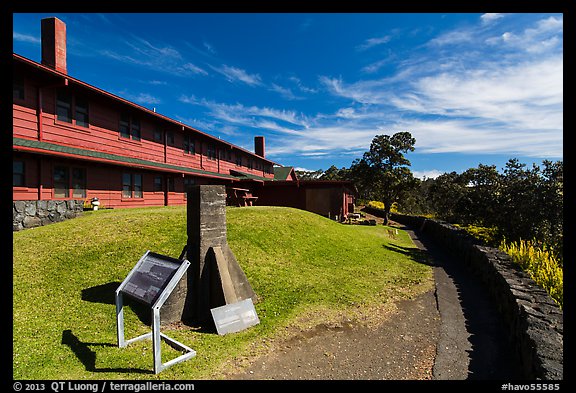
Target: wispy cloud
545,36
490,17
372,42
234,74
248,115
194,69
209,47
459,92
25,38
140,98
482,101
156,56
453,37
285,92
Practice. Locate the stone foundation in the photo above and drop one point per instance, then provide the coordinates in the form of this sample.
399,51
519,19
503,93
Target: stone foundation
30,214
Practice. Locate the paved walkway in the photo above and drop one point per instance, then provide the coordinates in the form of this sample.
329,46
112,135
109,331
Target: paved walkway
473,341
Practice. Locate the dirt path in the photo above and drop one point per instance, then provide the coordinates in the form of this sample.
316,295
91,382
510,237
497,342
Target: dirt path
401,348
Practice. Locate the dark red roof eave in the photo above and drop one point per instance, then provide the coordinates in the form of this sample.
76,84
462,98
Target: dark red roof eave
134,105
25,149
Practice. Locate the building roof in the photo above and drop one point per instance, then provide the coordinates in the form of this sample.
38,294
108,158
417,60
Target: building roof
29,145
185,127
282,172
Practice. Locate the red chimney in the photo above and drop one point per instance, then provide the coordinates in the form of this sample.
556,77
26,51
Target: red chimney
259,147
54,44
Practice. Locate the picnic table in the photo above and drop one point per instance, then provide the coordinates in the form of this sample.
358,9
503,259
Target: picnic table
241,197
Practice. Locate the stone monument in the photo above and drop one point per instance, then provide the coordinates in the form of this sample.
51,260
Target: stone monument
214,277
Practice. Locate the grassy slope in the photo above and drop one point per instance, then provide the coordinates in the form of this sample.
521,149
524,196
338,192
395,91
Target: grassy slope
297,262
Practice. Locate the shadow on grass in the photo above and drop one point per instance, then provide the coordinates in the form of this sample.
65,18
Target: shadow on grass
415,254
105,293
88,357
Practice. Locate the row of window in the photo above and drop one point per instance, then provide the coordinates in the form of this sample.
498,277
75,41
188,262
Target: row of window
74,109
71,181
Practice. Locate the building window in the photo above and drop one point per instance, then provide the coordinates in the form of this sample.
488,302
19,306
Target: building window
18,87
126,185
129,127
135,129
81,112
170,138
211,152
137,179
250,164
71,109
61,182
18,179
132,186
188,183
229,156
158,184
170,183
124,126
78,183
189,145
238,159
64,106
158,136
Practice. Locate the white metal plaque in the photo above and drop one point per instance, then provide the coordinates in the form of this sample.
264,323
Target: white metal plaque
235,317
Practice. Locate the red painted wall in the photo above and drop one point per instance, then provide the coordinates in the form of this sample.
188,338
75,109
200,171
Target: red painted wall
31,121
102,181
321,199
103,131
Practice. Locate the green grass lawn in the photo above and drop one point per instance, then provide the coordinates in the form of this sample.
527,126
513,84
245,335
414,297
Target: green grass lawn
304,268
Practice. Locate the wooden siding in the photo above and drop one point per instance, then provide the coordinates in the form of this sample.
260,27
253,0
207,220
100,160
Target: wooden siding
102,181
103,132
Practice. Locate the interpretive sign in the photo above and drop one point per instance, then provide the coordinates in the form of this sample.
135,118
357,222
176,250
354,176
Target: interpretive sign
235,317
150,277
151,282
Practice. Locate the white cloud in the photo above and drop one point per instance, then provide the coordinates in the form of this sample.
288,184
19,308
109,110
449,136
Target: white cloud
483,97
545,36
452,37
194,68
140,98
159,57
490,17
233,74
209,47
428,174
471,102
25,38
284,92
372,42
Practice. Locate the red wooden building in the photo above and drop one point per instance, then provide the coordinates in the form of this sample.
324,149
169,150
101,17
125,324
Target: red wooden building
329,198
72,140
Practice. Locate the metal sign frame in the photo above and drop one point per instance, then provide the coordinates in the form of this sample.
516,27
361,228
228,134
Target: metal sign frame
156,335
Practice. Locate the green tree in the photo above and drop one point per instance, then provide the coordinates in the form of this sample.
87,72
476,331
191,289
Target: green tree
333,173
309,175
383,174
445,196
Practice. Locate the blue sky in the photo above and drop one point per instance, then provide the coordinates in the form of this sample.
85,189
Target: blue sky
471,88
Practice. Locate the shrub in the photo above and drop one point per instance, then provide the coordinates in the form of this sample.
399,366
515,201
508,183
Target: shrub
540,264
376,205
488,235
380,205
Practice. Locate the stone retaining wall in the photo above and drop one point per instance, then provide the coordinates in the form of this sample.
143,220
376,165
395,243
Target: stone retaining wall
535,321
30,214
